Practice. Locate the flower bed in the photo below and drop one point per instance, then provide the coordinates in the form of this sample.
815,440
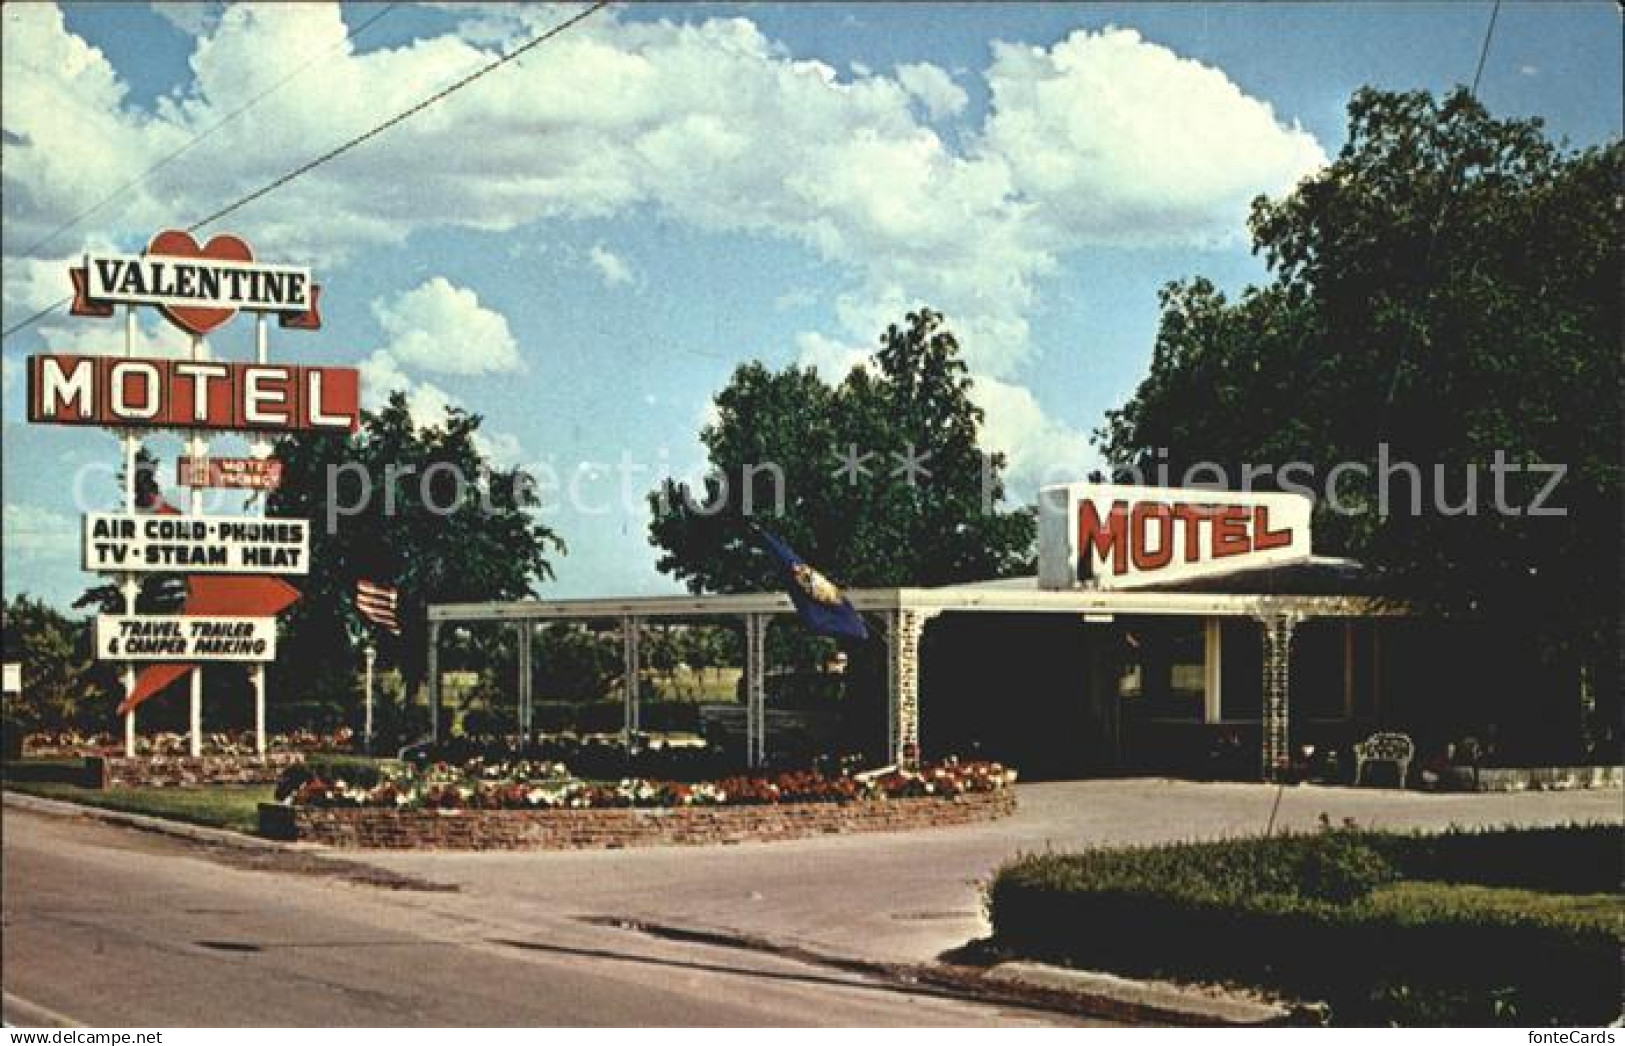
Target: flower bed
167,744
525,785
540,806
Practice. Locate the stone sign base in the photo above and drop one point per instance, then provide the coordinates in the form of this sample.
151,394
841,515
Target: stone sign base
607,829
184,770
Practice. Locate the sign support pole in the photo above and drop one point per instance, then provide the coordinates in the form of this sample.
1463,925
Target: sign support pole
129,583
197,447
262,449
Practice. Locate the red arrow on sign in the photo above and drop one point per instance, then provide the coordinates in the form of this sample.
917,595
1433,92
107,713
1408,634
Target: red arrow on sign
214,595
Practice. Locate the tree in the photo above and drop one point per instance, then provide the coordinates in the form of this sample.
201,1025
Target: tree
63,685
785,432
158,593
420,508
1447,288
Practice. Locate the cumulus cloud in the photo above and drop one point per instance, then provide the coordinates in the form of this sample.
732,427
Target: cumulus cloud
1102,138
192,17
1124,141
611,267
381,376
443,328
933,89
832,359
1038,449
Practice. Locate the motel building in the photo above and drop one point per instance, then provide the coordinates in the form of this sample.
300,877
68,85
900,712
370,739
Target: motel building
1187,632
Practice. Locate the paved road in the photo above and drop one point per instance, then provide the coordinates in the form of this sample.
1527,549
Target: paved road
111,926
910,897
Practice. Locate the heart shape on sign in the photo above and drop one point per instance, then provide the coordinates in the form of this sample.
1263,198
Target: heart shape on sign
176,243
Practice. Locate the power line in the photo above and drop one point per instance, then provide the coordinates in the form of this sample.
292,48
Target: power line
1484,52
310,165
1457,165
199,139
307,167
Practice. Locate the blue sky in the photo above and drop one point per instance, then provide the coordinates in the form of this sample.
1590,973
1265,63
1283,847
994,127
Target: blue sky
584,244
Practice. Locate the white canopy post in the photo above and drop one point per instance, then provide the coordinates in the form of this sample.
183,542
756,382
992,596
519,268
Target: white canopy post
632,669
434,681
526,702
756,689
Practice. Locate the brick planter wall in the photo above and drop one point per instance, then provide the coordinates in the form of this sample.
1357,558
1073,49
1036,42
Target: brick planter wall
1537,778
418,829
182,770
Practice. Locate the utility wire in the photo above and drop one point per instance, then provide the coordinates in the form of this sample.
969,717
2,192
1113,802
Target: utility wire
1484,52
307,167
310,165
205,135
1451,177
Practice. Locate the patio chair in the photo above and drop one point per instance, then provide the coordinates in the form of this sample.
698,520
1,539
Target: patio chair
1394,748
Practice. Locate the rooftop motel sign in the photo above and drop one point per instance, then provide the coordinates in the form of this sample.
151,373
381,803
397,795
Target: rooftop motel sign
1109,537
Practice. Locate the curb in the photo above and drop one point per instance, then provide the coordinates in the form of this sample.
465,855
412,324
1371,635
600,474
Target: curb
1031,985
146,823
1142,1001
20,1013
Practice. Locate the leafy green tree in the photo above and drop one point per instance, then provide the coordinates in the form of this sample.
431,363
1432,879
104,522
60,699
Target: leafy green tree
575,663
780,435
64,687
159,593
420,508
1447,288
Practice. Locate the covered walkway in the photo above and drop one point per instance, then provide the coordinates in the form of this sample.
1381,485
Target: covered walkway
904,615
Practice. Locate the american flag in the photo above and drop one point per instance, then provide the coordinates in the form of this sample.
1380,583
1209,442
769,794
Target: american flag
377,604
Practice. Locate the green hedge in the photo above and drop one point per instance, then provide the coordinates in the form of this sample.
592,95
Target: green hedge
1344,917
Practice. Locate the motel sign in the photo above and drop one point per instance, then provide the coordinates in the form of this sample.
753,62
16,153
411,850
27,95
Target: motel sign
191,394
1109,536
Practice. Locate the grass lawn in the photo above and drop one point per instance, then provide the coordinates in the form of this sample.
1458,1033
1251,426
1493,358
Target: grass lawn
234,807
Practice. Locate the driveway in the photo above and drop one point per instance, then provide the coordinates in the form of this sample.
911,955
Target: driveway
908,897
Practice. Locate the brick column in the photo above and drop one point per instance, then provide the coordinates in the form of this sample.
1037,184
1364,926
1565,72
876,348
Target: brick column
903,631
1277,754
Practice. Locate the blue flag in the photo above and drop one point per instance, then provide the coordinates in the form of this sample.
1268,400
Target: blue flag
818,601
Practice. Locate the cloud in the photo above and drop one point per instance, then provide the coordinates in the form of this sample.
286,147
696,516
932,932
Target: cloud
1100,139
1038,449
832,359
612,268
1118,140
443,328
35,531
933,89
427,403
192,17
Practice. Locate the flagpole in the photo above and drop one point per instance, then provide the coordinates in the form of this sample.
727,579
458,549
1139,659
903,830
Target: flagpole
371,653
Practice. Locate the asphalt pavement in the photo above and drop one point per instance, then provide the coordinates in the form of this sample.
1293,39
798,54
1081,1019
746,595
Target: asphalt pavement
109,925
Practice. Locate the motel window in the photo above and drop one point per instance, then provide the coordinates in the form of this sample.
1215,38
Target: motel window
1242,670
1162,675
1317,670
